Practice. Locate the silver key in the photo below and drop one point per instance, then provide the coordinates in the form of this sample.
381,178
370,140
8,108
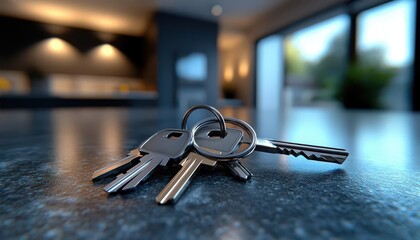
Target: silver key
237,169
211,140
182,179
193,161
158,150
119,166
310,152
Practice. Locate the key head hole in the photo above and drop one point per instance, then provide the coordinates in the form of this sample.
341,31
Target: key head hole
174,135
215,134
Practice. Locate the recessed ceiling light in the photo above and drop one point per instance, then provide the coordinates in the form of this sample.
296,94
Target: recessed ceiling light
217,10
107,50
56,44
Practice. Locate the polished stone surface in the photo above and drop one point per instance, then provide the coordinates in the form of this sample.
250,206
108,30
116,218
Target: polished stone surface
47,158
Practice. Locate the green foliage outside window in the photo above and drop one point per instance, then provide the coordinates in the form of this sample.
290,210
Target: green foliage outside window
355,85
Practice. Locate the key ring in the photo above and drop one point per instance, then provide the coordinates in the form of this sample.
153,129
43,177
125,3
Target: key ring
226,157
213,110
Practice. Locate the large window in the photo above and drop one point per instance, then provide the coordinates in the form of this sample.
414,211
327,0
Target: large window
269,72
316,58
362,58
385,42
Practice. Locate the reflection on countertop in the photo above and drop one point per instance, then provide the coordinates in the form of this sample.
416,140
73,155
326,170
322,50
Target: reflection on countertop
48,156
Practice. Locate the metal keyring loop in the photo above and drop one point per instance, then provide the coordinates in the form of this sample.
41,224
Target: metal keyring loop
218,115
226,157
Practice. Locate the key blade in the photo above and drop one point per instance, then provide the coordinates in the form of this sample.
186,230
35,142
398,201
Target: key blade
310,152
144,174
237,169
182,179
123,179
117,167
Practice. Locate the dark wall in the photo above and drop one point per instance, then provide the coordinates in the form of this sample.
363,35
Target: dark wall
150,53
416,65
19,40
179,35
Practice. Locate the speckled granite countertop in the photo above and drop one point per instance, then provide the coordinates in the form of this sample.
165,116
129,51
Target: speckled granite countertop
47,158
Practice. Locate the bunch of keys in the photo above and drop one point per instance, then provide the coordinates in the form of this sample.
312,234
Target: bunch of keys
209,143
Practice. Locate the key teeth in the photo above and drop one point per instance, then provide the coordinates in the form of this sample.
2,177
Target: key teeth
313,156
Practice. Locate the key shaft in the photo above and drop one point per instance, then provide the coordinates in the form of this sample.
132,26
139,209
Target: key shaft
118,166
123,179
158,150
238,170
182,179
143,175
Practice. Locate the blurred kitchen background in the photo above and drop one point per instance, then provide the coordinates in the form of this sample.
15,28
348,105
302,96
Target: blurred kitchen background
263,54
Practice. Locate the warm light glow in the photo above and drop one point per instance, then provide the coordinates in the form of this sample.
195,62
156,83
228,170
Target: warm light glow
112,134
124,88
56,44
5,84
228,74
60,13
230,39
110,58
66,141
243,68
88,86
106,50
